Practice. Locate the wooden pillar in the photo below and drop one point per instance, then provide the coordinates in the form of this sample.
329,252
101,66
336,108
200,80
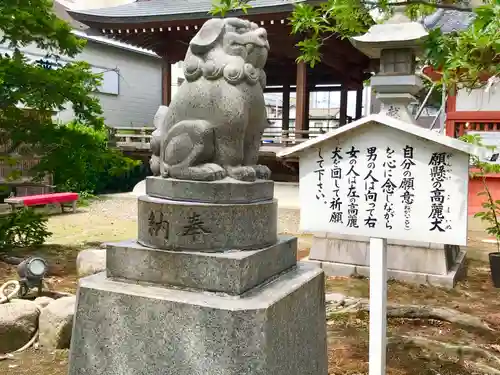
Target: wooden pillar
343,106
166,83
301,98
359,103
308,104
451,107
285,117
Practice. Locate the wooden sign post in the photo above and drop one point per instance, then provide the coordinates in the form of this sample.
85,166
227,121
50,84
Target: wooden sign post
378,306
381,178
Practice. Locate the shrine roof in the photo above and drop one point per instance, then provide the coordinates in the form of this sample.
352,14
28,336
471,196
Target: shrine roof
390,122
171,10
448,20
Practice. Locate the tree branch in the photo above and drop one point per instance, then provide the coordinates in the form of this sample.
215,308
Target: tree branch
467,352
352,305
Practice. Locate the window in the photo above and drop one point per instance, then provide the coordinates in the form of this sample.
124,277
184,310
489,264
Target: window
397,61
110,83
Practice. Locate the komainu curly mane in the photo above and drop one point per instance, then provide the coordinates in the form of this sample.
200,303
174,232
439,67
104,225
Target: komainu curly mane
234,72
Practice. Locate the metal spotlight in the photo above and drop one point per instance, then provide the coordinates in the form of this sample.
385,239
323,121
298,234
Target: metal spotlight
31,272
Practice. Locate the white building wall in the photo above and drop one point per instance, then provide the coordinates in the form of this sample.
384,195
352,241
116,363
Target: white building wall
132,86
479,99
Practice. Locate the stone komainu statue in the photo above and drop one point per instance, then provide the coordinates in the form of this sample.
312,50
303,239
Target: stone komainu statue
214,124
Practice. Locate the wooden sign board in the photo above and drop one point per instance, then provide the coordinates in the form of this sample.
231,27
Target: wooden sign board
380,181
385,179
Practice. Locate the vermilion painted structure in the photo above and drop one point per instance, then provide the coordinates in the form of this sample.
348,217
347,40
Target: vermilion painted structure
457,124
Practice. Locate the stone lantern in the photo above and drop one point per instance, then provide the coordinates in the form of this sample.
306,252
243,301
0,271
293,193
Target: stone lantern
396,42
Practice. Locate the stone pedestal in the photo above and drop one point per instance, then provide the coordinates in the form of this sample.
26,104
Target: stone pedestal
175,225
208,310
396,93
414,262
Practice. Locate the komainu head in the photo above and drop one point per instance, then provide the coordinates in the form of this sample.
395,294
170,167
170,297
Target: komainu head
232,48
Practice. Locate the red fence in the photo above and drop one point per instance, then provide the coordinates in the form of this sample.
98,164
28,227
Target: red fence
459,123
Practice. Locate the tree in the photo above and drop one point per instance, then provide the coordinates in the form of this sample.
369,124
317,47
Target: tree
466,58
31,91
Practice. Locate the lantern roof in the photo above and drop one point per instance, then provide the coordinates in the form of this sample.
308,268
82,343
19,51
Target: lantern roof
397,32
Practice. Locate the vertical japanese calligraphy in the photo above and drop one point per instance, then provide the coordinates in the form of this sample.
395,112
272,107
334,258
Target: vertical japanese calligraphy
352,194
156,223
407,185
391,182
336,175
320,171
438,173
370,188
388,187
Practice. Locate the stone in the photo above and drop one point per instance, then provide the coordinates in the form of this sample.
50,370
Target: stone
407,261
155,144
90,261
56,322
18,324
448,280
405,256
278,328
43,301
223,68
174,225
232,272
139,188
224,191
334,297
208,288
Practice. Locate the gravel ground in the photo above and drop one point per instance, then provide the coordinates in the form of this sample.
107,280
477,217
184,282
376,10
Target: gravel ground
111,218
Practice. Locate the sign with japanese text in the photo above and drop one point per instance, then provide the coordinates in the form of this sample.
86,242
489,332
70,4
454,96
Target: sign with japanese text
377,181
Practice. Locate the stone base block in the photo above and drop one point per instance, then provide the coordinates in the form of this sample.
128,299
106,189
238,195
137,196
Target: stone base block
448,280
232,272
278,328
226,191
175,225
413,257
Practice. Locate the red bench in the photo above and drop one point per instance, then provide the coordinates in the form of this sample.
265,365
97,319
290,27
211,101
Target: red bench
60,199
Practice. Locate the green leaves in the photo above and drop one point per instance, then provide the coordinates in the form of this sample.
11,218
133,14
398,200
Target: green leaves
22,228
32,85
465,58
469,57
31,92
32,21
222,7
80,159
332,18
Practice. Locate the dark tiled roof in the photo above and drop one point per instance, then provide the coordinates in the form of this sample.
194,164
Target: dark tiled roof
62,12
163,10
448,20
